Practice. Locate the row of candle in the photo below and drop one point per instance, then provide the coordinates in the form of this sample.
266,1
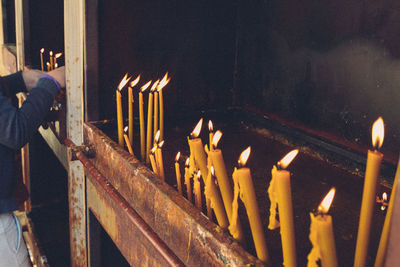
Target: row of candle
52,58
212,168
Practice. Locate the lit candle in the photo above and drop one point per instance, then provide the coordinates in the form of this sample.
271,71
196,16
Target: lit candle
380,256
127,142
374,160
197,190
51,60
41,58
120,122
242,176
155,125
159,160
130,107
187,177
55,59
224,184
178,173
321,235
164,81
153,161
280,185
197,149
149,125
48,66
211,192
141,121
210,134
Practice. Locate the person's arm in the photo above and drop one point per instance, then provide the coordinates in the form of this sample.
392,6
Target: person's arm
13,84
18,125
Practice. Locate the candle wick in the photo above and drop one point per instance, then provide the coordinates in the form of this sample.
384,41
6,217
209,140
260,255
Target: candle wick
278,166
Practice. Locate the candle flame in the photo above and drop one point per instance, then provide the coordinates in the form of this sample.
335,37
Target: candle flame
286,160
157,136
384,201
217,136
384,196
160,145
378,133
164,81
42,50
48,64
153,150
144,87
58,55
154,86
135,81
126,129
212,170
244,157
51,53
198,174
210,126
178,155
187,162
123,82
327,201
56,65
197,129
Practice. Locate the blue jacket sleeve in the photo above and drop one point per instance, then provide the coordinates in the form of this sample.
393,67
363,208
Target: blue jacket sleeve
15,83
18,125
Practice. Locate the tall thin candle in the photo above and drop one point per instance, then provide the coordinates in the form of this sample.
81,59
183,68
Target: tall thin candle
197,190
120,122
188,184
141,122
41,58
127,142
164,81
51,60
130,107
155,124
178,173
149,125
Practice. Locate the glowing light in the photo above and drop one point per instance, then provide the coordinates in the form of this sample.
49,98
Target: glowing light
160,145
164,81
217,136
178,155
135,81
51,53
212,170
157,137
378,133
126,129
244,156
154,86
58,55
327,201
286,160
210,126
153,150
197,129
144,87
187,162
42,50
123,82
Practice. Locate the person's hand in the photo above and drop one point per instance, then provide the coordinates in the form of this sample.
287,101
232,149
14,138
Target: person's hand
59,75
31,77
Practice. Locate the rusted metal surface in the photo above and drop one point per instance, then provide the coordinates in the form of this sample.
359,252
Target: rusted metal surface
191,236
88,151
109,206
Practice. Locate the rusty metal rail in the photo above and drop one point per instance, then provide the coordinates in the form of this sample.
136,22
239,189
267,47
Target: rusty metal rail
141,225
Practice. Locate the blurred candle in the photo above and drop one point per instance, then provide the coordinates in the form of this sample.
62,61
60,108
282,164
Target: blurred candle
155,125
130,107
380,256
188,184
51,60
178,173
164,81
281,186
159,160
197,190
242,176
141,121
153,161
210,134
127,142
120,122
48,66
55,59
41,58
149,124
321,235
374,160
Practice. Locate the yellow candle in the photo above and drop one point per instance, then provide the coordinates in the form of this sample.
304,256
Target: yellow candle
48,66
164,81
281,186
188,184
243,177
178,173
153,161
130,107
197,190
211,192
51,60
41,58
380,256
374,160
225,187
149,125
159,160
210,134
322,237
55,59
127,142
197,150
155,123
208,200
141,121
120,122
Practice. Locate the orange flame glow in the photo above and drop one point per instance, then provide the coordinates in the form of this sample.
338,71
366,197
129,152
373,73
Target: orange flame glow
153,150
327,201
47,64
178,155
384,196
217,136
126,129
199,173
123,82
58,55
164,81
51,53
154,86
378,133
160,145
56,65
42,50
244,157
286,160
144,87
212,170
135,81
187,162
210,126
157,137
197,129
